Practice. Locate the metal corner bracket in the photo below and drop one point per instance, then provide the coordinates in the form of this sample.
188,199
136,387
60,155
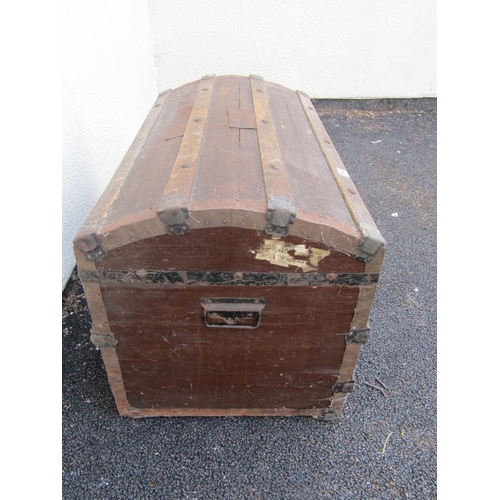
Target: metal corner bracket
357,336
280,214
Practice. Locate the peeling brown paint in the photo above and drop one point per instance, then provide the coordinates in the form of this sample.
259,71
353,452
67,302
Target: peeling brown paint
283,254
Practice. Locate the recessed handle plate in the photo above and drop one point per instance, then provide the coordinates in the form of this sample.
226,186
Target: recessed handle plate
232,313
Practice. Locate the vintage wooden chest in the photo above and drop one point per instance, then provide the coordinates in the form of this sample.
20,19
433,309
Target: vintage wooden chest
230,266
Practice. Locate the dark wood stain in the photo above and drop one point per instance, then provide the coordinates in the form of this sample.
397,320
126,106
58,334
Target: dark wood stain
216,249
170,359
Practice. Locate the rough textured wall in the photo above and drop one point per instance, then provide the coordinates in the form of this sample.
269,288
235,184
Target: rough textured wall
109,85
327,48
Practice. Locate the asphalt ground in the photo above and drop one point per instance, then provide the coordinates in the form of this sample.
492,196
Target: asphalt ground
384,444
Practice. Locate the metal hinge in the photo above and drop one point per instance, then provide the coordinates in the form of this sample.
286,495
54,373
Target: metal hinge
357,336
343,387
328,415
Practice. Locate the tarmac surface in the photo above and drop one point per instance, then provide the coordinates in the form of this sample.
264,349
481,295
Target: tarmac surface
384,444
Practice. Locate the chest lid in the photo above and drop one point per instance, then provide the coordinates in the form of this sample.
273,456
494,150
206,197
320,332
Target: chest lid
231,151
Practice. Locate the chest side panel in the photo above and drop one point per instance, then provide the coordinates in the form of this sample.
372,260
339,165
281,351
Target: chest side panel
169,357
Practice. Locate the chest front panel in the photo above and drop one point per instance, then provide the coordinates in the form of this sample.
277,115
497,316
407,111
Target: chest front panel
171,356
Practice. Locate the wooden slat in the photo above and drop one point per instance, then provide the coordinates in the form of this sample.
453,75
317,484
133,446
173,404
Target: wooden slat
87,240
144,186
372,241
229,172
312,186
173,209
281,212
115,379
349,362
346,374
363,307
225,412
93,294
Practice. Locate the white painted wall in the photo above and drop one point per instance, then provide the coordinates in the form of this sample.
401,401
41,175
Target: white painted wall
109,85
327,48
119,54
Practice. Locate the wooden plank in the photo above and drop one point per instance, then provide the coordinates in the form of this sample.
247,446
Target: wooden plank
280,209
87,239
226,412
112,365
372,241
312,186
144,186
360,320
229,249
229,173
349,362
173,209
